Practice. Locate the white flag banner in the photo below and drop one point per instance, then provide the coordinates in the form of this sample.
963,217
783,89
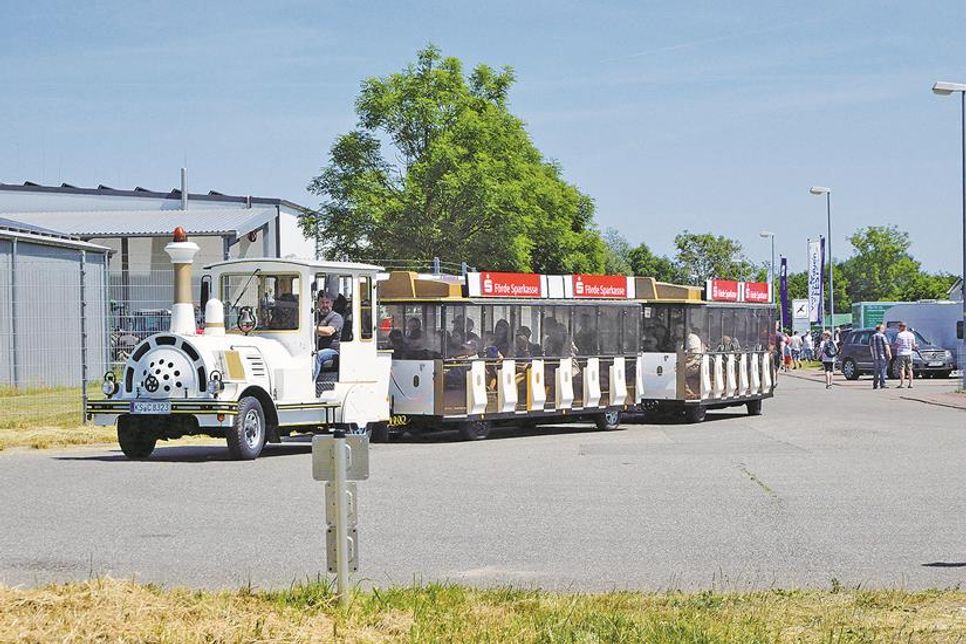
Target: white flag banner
816,263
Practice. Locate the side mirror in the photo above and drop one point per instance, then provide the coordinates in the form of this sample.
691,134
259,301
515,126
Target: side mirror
205,291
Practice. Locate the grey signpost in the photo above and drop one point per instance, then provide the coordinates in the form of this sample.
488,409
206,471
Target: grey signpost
339,461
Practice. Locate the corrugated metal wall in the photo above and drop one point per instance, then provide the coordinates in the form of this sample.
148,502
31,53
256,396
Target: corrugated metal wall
40,315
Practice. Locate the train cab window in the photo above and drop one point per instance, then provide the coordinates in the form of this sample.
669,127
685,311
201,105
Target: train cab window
266,302
365,308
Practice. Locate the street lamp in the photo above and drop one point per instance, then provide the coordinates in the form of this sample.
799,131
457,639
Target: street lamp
821,190
943,88
771,269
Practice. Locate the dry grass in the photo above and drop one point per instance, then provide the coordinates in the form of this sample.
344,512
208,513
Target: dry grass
42,407
109,610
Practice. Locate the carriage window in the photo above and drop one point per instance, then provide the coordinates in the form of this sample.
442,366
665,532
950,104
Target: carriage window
460,339
697,330
338,289
266,302
365,308
527,332
496,332
557,342
609,324
585,330
631,333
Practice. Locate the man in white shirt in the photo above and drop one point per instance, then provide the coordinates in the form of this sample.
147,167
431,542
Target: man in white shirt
903,347
795,342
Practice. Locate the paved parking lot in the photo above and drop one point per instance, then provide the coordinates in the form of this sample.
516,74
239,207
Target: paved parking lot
851,484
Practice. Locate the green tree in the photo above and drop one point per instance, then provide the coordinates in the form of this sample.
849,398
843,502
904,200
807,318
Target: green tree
701,256
465,182
616,253
646,264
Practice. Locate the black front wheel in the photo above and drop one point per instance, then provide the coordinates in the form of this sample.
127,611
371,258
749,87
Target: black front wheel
474,430
754,407
610,419
246,437
695,413
137,441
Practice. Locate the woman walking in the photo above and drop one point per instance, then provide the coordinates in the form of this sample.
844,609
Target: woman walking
827,352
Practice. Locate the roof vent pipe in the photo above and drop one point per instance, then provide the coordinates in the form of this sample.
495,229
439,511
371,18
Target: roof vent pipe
184,188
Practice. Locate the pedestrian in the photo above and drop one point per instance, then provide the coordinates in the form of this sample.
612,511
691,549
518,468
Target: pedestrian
881,355
904,346
827,352
787,351
795,341
809,345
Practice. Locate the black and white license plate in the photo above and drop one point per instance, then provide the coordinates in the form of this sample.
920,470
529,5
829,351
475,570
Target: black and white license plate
936,363
151,407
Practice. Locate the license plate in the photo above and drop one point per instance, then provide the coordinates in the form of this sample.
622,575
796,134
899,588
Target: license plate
938,363
151,407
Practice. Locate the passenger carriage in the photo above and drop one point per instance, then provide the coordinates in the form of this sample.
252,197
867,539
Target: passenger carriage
505,349
699,352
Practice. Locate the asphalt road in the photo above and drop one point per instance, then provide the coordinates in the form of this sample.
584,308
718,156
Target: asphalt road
850,484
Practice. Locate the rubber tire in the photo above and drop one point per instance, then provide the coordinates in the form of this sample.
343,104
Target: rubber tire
135,440
608,424
474,430
238,446
893,370
695,413
754,407
378,432
850,370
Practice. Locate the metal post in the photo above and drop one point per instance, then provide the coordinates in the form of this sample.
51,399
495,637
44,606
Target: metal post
83,333
962,347
341,518
436,266
13,314
831,261
772,276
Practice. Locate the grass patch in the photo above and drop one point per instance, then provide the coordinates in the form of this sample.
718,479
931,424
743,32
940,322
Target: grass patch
41,407
106,609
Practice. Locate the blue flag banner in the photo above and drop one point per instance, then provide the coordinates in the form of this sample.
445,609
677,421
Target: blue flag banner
816,267
786,310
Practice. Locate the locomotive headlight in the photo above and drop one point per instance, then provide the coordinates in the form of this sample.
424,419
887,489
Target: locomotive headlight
110,384
215,382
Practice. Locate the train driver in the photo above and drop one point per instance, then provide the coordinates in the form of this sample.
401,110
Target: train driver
328,331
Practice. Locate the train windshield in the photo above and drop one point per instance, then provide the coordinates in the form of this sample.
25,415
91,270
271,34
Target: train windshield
261,302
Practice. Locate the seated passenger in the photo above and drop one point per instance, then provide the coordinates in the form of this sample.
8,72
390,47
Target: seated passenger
285,312
328,331
533,350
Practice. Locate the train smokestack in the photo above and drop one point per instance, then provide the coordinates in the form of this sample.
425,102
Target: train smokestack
182,253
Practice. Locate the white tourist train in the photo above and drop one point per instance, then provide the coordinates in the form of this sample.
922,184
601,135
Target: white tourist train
291,345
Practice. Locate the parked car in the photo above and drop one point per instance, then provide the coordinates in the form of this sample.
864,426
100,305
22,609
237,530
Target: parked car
855,357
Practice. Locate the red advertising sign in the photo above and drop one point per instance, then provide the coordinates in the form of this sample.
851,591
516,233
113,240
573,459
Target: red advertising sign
722,290
757,292
614,286
511,285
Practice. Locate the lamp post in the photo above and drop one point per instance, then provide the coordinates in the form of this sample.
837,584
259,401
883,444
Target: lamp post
771,267
821,190
945,89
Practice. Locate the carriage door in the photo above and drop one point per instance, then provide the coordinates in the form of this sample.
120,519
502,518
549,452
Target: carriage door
659,354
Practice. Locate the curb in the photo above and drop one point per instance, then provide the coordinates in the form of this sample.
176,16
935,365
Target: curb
936,403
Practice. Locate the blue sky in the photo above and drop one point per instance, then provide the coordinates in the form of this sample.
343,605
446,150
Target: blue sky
707,116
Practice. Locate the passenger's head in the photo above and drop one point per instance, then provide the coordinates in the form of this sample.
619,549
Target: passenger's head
396,338
525,332
413,326
324,302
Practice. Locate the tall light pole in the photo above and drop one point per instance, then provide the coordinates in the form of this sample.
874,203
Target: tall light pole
821,190
945,89
771,267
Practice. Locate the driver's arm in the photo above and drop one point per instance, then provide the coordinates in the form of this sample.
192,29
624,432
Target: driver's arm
325,330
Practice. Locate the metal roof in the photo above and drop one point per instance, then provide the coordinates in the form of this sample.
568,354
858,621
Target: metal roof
10,229
151,223
138,191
